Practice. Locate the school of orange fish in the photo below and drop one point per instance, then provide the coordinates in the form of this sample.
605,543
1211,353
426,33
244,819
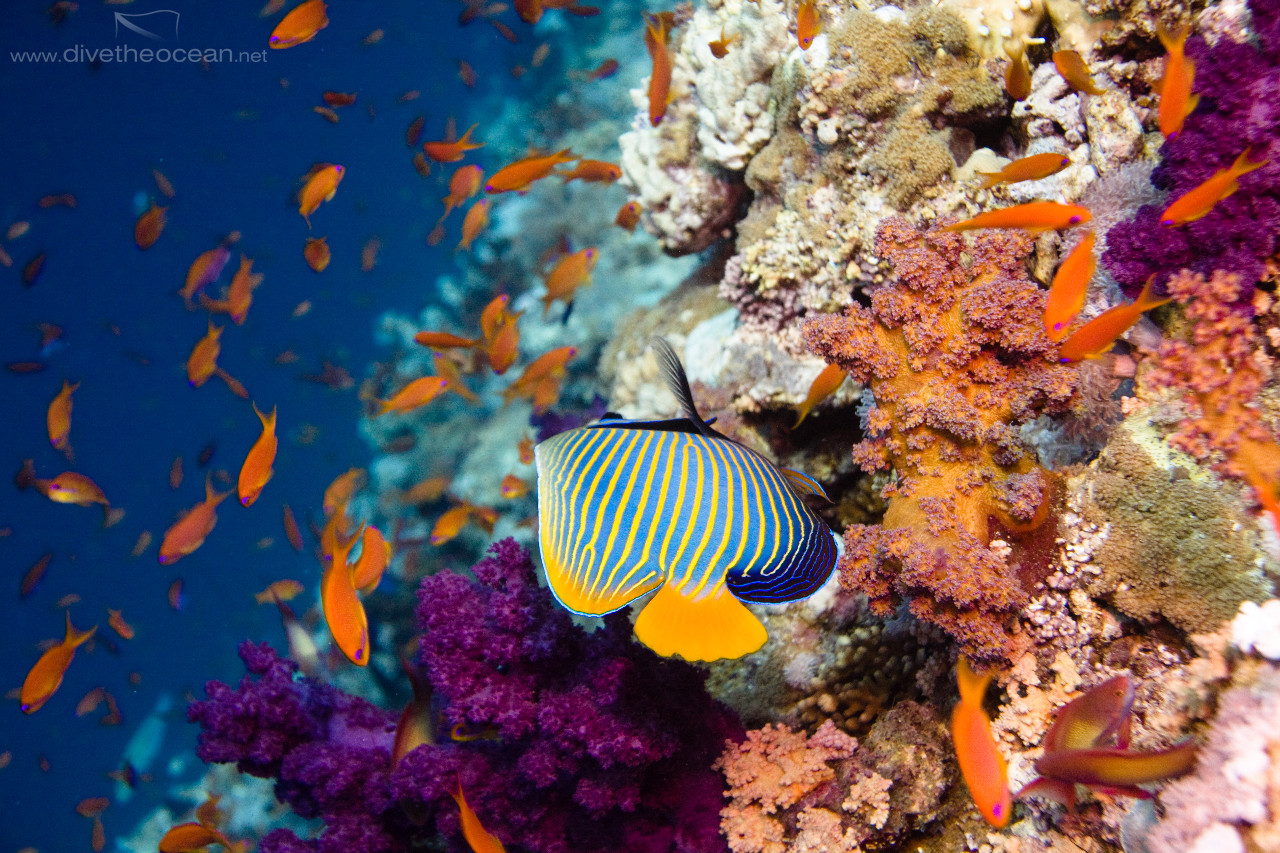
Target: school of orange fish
344,580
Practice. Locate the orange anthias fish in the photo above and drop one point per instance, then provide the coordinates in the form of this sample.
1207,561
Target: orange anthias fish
570,273
463,184
240,294
808,24
541,379
473,223
321,185
1031,168
206,268
981,762
256,470
446,369
1035,217
451,152
281,590
1176,100
203,360
656,30
149,226
300,25
592,171
316,253
119,625
339,492
45,677
451,522
1072,67
517,176
480,839
823,386
1097,336
417,720
189,837
66,488
444,340
1199,200
188,533
1017,77
513,487
417,393
1070,285
343,611
58,417
375,556
530,11
628,215
720,47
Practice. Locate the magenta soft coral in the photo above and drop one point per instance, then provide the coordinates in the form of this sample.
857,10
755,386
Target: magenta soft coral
601,744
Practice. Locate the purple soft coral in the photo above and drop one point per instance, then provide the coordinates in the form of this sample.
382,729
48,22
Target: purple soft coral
1237,111
600,744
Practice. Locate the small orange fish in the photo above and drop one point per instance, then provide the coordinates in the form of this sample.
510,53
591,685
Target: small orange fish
33,575
291,531
504,348
326,113
1176,100
417,721
1072,67
464,183
656,30
981,762
175,596
826,383
525,448
604,70
316,253
473,223
540,54
1097,336
495,315
421,165
142,544
119,625
444,340
720,47
543,373
480,839
163,183
1199,200
517,176
1070,285
592,172
513,487
256,471
321,186
1034,216
58,417
188,533
281,590
417,393
808,24
425,491
32,269
343,611
466,74
203,360
369,254
206,268
570,273
149,226
92,806
1031,168
71,488
450,524
413,133
530,11
300,25
628,216
447,370
44,679
191,837
339,492
375,556
1017,76
240,294
451,152
339,99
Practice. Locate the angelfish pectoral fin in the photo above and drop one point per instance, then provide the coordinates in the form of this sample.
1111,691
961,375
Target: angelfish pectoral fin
711,628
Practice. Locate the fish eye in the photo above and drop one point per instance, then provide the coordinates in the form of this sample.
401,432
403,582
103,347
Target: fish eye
1073,220
997,810
1166,221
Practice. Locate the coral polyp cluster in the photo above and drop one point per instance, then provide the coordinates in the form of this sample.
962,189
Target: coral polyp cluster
955,356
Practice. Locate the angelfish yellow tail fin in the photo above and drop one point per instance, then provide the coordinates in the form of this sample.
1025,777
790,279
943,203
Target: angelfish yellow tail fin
711,628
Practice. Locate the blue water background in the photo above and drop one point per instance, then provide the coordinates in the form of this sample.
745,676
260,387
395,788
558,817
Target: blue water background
234,142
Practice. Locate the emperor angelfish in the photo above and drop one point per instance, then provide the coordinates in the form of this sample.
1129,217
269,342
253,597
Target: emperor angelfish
626,507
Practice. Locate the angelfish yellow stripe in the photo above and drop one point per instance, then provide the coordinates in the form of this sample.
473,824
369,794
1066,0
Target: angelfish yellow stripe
618,459
647,522
579,545
640,467
724,529
707,572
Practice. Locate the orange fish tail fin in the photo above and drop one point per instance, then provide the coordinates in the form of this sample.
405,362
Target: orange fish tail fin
1243,165
268,421
973,685
1147,300
711,628
989,179
1173,40
76,638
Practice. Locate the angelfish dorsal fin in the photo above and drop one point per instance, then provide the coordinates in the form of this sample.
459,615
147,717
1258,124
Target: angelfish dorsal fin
802,485
677,382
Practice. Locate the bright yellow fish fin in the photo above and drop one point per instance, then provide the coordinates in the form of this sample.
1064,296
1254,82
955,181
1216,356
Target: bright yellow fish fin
711,628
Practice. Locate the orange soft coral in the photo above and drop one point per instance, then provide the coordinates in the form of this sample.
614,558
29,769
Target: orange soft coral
956,358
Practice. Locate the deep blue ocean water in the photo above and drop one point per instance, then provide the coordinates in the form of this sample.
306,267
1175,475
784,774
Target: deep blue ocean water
234,143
